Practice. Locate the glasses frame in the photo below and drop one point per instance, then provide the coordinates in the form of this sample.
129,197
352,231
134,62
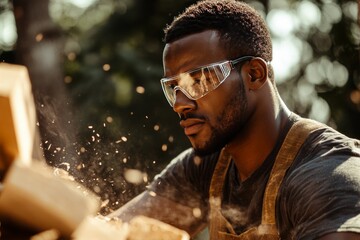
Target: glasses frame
231,63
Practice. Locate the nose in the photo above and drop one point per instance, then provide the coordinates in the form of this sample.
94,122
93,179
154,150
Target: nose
182,103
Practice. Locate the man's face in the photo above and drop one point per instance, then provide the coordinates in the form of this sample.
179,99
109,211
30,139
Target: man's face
214,120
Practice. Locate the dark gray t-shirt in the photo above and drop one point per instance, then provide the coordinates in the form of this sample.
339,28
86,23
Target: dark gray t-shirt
319,194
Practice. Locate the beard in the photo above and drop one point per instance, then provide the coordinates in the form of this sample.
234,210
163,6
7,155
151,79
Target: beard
228,124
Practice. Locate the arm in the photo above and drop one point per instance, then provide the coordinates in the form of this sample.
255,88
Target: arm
163,209
176,196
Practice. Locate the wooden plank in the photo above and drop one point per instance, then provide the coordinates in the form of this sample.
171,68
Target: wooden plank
17,115
34,197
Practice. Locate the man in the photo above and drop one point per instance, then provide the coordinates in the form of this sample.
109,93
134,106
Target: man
249,174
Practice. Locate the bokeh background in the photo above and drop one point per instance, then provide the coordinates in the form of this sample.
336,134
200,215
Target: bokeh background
95,67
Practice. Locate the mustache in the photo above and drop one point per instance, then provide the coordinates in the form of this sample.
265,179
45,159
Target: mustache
184,116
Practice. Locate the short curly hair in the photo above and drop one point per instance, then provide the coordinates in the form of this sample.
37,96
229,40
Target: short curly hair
242,29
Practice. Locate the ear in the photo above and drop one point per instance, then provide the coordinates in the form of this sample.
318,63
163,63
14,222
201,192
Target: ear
258,72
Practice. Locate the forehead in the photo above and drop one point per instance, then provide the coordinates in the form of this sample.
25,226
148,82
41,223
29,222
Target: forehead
192,51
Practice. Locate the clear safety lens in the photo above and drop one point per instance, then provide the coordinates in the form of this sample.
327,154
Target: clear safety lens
199,82
196,84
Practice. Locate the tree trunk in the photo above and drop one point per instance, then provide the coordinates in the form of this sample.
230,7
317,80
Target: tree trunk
40,49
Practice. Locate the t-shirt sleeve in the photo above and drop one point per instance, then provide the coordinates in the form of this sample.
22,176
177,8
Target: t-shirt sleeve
322,195
186,180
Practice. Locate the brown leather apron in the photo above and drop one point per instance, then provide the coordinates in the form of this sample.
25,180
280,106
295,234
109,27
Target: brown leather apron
220,228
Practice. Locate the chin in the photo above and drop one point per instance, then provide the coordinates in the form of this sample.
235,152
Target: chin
211,145
207,149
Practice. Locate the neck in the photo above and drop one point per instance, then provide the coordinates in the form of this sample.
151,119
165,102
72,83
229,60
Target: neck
250,148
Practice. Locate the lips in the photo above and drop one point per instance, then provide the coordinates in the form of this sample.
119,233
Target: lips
192,126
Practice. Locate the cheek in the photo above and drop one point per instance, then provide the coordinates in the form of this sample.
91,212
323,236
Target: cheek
236,103
218,98
219,105
216,105
212,105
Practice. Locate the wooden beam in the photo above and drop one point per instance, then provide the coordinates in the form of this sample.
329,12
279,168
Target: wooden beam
18,115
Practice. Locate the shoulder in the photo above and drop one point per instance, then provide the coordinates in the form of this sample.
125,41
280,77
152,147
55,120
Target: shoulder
324,150
320,193
326,141
327,157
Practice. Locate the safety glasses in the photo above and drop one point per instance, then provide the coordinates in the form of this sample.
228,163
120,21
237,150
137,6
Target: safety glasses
199,82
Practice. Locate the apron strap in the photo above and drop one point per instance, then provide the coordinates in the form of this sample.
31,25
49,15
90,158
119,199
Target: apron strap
219,174
294,139
217,221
